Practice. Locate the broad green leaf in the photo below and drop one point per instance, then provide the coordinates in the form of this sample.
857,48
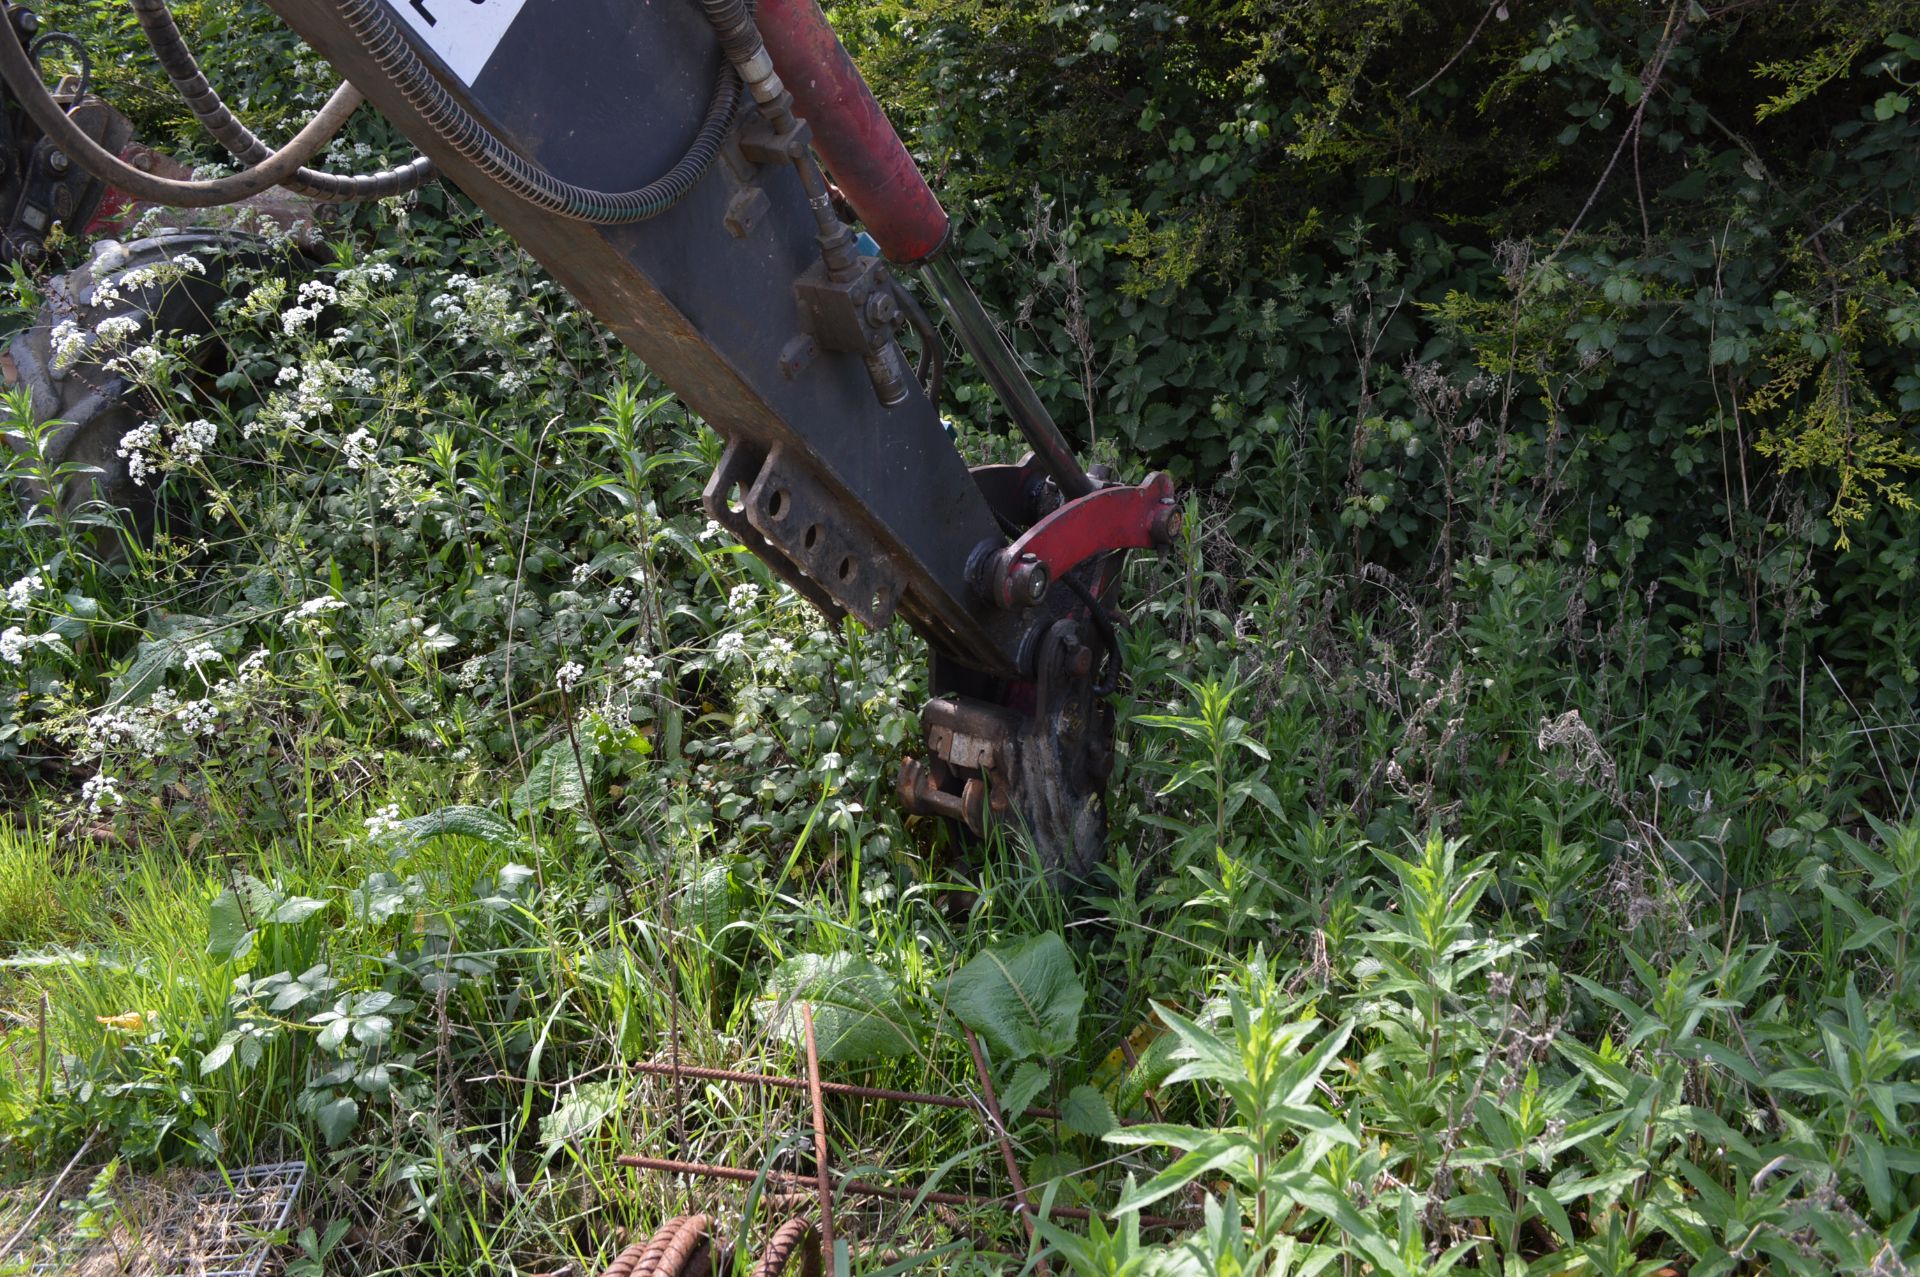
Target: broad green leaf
1087,1112
369,1003
1155,1063
228,935
334,1030
222,1051
296,909
1023,999
373,1029
558,779
581,1113
336,1119
858,1011
1028,1081
710,901
461,821
154,656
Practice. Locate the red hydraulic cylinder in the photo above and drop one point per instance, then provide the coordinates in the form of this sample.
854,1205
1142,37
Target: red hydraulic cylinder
851,133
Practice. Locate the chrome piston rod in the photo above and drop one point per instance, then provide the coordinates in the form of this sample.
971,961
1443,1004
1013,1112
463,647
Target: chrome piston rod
990,354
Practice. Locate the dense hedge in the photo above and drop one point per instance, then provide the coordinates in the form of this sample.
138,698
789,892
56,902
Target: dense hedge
1625,286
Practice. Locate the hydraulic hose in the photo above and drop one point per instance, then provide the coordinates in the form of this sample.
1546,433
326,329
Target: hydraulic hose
931,367
481,147
177,60
18,70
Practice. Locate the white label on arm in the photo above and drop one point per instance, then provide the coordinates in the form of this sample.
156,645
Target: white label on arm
463,32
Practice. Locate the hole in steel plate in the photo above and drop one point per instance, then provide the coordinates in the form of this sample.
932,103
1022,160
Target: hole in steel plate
847,568
778,504
813,535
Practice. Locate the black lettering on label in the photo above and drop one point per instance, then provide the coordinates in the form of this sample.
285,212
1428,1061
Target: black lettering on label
420,6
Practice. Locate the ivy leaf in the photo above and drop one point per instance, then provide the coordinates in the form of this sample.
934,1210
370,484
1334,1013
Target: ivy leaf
858,1011
1023,999
1088,1113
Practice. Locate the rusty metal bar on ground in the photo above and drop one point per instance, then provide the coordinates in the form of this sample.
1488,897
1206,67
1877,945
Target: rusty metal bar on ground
820,1171
666,1253
795,1234
860,1188
744,1078
992,1104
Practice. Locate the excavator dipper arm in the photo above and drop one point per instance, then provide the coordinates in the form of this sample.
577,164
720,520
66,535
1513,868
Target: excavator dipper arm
668,162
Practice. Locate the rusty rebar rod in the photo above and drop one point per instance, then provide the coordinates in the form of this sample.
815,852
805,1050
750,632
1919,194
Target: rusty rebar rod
860,1188
797,1234
742,1077
821,1174
991,1103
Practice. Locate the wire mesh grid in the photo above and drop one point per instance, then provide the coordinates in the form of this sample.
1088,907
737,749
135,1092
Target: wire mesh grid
213,1224
245,1209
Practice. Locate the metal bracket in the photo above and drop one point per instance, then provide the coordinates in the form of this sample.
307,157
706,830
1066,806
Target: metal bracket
786,516
1143,517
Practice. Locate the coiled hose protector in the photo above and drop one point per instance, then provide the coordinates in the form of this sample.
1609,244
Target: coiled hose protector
484,149
183,69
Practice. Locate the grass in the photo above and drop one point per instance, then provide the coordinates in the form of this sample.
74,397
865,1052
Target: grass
1511,1022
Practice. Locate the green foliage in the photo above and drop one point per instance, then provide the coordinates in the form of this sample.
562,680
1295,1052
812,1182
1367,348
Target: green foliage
1428,284
1023,999
858,1012
1515,852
